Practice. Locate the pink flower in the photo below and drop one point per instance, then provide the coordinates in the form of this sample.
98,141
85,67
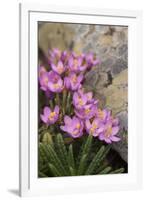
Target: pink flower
103,115
87,112
109,133
80,99
49,116
59,68
54,55
91,60
95,127
74,126
55,83
76,64
43,80
42,70
73,82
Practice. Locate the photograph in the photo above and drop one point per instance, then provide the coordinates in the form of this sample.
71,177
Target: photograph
82,99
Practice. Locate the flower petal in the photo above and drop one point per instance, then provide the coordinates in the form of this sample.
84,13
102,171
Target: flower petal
56,109
67,120
47,111
44,118
107,140
101,136
63,128
115,130
115,139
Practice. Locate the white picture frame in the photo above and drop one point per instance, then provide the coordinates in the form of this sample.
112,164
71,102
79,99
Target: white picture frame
30,184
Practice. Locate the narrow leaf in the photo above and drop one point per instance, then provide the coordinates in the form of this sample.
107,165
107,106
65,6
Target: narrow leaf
71,161
82,165
117,171
41,174
95,162
106,170
72,171
62,152
54,170
85,149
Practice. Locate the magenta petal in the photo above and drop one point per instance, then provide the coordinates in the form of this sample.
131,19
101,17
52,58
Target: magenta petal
67,82
107,140
101,136
56,109
115,139
54,67
60,64
47,111
89,95
100,130
44,118
88,125
43,88
115,122
80,77
63,128
75,96
115,130
67,120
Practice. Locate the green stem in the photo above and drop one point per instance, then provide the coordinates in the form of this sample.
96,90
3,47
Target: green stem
64,101
51,104
69,102
51,128
57,99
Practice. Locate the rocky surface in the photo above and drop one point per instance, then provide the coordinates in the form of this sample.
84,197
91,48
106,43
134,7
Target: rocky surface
109,82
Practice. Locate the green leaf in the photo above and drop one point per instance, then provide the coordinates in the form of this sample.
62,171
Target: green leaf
57,160
95,162
41,174
62,152
53,158
42,154
72,171
117,171
85,148
71,161
82,165
107,149
106,170
54,170
47,138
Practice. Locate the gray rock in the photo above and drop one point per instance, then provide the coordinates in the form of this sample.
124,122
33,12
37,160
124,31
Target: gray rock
122,146
122,49
119,66
123,117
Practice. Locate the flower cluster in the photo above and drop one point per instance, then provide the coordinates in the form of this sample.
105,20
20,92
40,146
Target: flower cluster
79,112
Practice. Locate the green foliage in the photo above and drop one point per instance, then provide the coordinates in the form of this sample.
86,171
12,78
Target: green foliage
57,159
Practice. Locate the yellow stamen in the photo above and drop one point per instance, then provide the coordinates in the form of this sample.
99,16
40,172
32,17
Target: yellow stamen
108,131
78,126
87,111
56,85
74,79
75,132
100,114
52,114
80,101
94,126
60,69
75,63
46,80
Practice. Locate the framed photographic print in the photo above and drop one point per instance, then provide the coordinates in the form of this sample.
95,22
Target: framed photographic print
80,100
